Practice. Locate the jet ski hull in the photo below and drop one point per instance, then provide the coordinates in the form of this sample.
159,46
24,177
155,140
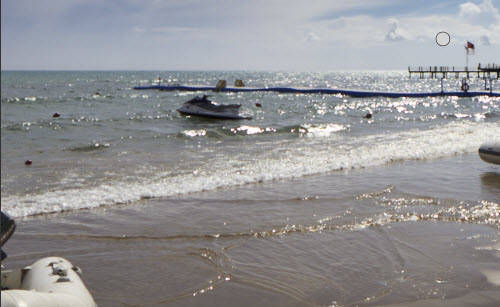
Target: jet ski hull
211,114
204,108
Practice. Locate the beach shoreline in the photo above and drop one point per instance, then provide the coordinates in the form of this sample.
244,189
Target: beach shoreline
287,242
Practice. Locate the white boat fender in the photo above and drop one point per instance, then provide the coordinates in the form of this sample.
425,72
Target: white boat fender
51,281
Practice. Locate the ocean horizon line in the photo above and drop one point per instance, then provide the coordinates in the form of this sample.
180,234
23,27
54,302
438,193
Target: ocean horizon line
203,70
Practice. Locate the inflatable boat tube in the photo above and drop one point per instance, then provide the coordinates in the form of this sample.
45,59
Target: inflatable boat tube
51,281
490,153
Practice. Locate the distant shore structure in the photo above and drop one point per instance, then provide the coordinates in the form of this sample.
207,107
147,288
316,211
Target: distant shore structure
486,72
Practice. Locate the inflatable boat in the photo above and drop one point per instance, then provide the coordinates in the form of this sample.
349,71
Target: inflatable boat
48,282
490,153
206,108
51,281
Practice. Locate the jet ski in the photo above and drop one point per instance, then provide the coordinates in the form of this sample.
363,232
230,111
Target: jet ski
50,281
206,108
490,153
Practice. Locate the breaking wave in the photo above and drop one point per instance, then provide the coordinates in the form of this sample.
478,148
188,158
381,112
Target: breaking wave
297,158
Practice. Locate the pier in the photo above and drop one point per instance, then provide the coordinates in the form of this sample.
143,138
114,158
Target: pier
487,73
490,71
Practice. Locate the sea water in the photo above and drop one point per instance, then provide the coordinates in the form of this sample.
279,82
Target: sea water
309,202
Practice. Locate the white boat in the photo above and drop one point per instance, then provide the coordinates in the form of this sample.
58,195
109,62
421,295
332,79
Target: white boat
48,282
206,108
490,153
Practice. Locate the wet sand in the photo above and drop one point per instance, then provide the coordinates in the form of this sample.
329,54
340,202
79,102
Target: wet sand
418,233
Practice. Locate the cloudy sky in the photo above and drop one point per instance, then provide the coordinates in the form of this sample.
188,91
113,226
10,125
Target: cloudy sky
292,35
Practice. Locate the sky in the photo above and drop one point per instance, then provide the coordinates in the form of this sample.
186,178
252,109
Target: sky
276,35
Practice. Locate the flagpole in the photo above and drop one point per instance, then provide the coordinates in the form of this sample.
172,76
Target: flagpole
466,58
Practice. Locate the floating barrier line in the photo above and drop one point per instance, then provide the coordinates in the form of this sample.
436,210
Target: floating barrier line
291,90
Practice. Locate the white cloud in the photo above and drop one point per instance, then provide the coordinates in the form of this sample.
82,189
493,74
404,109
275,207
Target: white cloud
369,31
485,41
173,30
394,34
484,13
469,9
268,34
138,29
474,22
311,37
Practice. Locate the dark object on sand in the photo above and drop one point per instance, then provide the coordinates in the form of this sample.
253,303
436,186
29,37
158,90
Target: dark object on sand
368,115
56,115
206,108
258,105
28,162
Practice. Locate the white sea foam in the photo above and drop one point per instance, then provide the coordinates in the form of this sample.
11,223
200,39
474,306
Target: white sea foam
193,133
322,130
252,129
248,129
303,157
493,276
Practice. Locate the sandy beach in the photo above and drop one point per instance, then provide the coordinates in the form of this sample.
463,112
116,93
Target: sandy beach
319,240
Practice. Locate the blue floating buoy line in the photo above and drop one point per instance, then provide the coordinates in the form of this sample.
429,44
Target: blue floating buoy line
488,73
292,90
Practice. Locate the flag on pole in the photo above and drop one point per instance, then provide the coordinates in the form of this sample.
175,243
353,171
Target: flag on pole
469,46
